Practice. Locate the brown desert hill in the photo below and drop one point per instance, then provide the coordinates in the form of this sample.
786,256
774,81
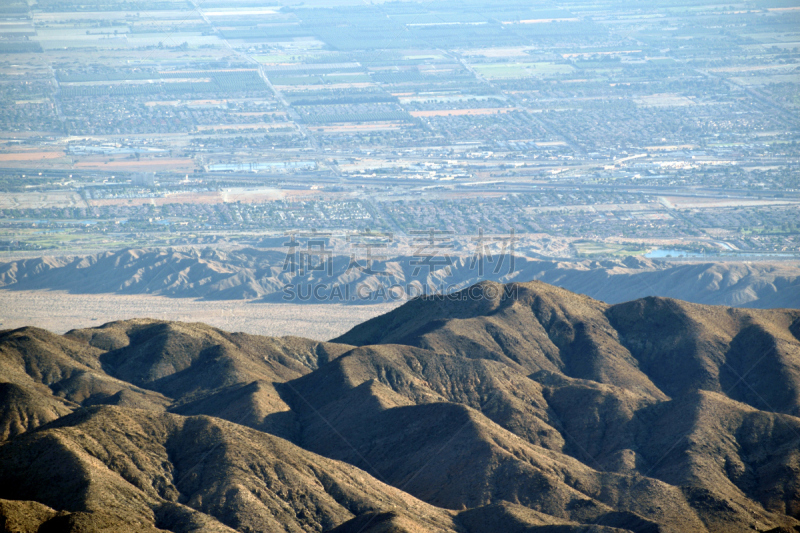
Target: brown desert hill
23,409
209,371
162,471
516,408
752,356
254,273
648,351
533,327
188,368
417,376
23,516
654,346
46,365
727,454
362,398
507,518
452,456
515,518
185,360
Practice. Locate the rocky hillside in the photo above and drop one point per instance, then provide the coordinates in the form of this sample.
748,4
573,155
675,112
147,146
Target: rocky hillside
261,274
518,407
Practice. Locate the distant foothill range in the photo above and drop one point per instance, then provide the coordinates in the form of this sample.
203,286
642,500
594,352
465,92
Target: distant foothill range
270,275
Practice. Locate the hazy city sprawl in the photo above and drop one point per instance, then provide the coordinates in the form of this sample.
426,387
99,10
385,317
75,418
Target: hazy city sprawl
588,129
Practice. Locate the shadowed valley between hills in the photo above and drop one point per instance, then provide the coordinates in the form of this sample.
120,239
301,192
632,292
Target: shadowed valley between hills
519,407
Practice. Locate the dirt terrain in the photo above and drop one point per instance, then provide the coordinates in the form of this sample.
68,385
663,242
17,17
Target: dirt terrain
60,311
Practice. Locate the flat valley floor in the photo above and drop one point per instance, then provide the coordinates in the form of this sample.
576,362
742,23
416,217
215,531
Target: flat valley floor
60,311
